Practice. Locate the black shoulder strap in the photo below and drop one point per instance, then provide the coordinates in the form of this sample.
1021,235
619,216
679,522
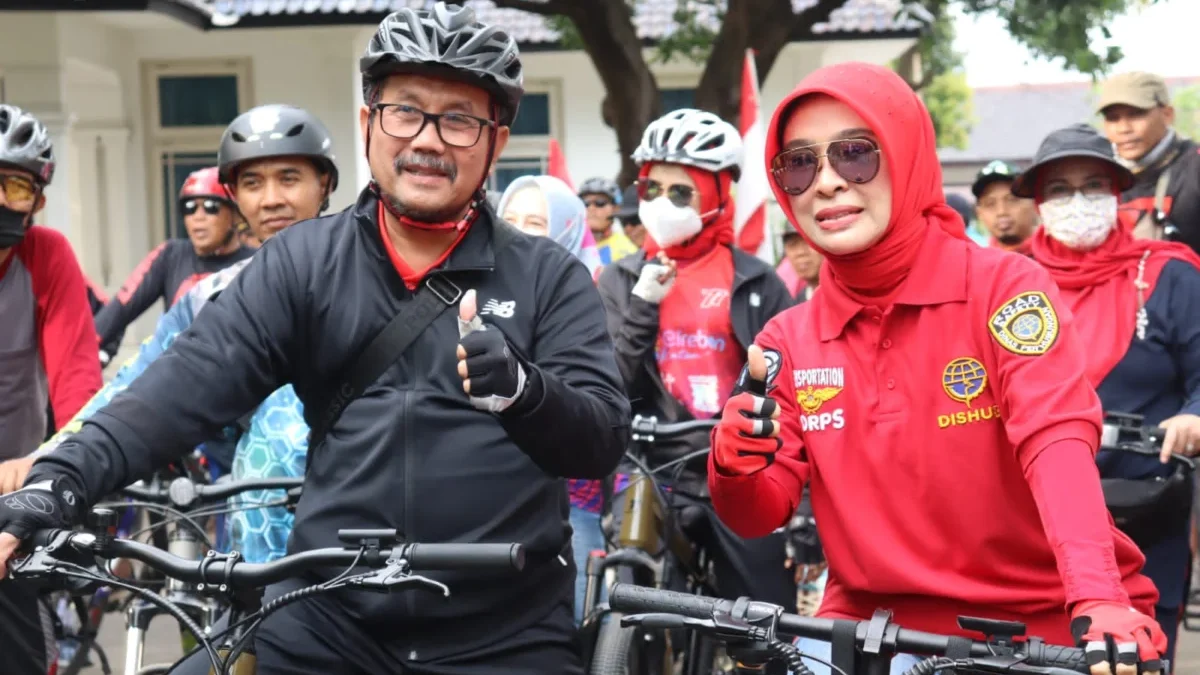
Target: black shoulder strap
435,295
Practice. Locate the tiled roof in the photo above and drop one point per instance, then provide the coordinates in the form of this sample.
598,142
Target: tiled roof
1010,122
653,17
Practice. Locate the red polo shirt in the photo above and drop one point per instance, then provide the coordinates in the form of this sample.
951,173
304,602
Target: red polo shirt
920,428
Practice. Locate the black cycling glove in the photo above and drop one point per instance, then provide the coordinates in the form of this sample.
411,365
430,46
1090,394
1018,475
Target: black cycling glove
496,375
45,504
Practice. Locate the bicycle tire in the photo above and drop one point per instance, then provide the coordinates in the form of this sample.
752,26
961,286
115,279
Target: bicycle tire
614,647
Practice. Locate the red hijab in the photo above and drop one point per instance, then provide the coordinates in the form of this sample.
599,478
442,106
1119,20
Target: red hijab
1099,286
715,199
905,131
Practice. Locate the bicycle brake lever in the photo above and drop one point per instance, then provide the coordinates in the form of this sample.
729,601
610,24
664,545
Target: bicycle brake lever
393,577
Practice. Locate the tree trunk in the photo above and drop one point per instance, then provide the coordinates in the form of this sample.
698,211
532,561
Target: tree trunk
631,99
766,26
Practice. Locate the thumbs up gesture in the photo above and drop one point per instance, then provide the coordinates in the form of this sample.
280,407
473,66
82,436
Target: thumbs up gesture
492,375
747,437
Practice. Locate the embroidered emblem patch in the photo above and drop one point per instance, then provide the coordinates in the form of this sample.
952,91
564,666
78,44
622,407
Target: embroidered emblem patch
1025,325
964,379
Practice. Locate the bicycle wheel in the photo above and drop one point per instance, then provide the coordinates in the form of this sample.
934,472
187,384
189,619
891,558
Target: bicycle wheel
614,653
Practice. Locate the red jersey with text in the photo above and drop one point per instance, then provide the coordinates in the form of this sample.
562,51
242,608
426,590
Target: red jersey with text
698,355
48,347
918,427
166,273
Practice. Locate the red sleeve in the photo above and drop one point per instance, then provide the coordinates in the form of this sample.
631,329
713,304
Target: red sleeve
1053,417
1045,395
69,346
1076,521
755,505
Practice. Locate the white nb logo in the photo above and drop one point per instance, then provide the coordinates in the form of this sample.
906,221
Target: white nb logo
503,310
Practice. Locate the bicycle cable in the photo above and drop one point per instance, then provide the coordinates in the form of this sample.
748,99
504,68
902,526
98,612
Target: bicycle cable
84,573
172,514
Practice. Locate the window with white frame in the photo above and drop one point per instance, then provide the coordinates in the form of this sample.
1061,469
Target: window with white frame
188,106
538,120
676,92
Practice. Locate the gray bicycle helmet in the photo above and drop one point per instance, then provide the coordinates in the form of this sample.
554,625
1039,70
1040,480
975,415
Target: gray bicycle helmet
25,143
694,138
447,41
275,131
601,186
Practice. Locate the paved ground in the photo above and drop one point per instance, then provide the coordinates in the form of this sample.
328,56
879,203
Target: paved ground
163,646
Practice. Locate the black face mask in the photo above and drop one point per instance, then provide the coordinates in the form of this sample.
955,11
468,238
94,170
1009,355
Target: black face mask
12,227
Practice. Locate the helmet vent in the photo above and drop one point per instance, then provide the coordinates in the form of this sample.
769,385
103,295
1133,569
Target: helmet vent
296,130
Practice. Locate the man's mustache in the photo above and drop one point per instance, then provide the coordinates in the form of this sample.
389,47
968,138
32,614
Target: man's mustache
426,162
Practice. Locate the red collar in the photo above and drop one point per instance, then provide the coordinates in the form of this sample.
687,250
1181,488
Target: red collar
938,276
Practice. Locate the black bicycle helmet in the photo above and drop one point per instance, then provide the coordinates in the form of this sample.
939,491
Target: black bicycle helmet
25,143
601,186
447,41
275,131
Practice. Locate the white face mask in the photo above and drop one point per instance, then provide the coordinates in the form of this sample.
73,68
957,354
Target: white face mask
669,224
1078,222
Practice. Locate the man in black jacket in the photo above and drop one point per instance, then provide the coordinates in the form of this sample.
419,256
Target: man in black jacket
511,385
682,314
1165,196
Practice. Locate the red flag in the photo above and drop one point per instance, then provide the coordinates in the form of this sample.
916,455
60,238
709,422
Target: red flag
750,217
556,164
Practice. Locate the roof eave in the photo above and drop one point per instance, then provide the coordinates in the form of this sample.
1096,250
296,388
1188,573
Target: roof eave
187,13
310,20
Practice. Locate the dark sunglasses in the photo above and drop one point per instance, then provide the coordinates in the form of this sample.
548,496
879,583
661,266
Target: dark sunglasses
855,159
17,189
211,206
598,203
679,195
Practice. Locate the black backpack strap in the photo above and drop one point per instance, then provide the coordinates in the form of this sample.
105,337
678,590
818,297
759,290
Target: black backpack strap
433,296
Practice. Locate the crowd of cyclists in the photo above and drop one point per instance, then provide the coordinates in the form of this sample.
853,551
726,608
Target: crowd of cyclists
936,403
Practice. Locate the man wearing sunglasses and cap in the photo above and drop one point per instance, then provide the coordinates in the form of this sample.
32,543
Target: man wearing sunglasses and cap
1009,219
631,222
172,268
1138,120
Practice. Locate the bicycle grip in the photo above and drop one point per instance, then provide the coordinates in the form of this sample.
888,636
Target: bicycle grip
1056,656
633,599
467,557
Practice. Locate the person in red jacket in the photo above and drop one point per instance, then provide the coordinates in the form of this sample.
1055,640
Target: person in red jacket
48,348
933,396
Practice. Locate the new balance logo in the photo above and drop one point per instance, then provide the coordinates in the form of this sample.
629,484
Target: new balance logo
504,310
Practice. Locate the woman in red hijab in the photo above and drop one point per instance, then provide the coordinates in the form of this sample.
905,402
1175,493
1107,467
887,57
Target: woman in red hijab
1138,303
933,395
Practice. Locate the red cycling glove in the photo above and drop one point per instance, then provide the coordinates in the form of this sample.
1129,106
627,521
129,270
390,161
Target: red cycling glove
1118,634
747,437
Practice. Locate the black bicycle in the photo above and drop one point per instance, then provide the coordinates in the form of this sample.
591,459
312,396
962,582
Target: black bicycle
752,631
58,556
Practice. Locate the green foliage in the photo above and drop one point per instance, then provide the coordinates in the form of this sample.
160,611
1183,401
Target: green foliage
951,105
693,37
1186,101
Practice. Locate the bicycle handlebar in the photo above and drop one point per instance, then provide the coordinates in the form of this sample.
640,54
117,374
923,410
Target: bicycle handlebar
639,599
184,492
649,428
231,571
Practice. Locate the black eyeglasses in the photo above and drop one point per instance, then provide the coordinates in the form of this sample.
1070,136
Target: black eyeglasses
404,121
211,206
679,195
855,159
598,203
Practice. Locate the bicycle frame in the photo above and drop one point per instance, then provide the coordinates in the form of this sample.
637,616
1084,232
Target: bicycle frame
649,546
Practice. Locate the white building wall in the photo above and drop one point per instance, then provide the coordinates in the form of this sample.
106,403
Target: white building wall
84,74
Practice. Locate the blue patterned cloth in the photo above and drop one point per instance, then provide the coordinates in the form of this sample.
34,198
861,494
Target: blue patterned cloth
275,444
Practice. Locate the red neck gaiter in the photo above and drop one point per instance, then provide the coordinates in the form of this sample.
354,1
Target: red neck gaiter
715,203
894,112
1099,286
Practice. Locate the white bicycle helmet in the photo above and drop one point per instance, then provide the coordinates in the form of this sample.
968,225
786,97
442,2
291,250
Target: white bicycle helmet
694,138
